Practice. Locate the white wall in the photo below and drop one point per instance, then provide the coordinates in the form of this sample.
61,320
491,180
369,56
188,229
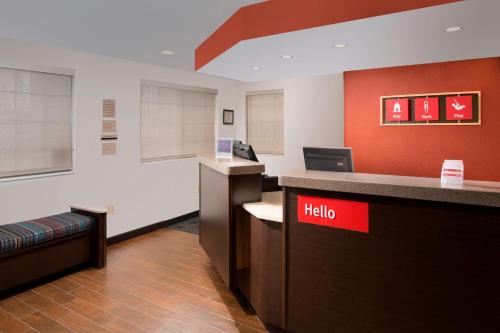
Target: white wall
314,116
148,193
141,194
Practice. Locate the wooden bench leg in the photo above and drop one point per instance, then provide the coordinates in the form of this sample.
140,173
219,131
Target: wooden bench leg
99,240
100,245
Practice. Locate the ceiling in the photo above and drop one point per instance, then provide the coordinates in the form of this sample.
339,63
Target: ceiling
405,38
140,29
131,29
280,16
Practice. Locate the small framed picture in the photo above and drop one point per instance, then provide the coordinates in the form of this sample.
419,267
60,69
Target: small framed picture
228,117
224,147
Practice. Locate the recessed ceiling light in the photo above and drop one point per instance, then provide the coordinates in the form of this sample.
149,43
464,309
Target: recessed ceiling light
453,29
167,52
256,68
287,56
339,45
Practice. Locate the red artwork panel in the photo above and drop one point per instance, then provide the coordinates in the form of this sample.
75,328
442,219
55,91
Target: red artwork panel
459,108
396,109
427,109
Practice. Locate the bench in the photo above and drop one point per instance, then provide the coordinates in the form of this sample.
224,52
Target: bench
40,248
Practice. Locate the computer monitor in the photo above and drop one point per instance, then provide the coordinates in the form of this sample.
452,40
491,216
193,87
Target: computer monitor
244,151
236,143
328,159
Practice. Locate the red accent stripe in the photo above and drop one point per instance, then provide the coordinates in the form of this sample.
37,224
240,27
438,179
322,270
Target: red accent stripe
452,170
280,16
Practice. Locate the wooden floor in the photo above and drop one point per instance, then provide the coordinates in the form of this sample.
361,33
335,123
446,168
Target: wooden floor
159,282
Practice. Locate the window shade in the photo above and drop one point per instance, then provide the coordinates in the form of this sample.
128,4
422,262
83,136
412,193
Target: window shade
35,122
265,122
176,123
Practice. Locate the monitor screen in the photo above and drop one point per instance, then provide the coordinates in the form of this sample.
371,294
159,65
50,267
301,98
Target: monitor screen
236,144
245,151
328,159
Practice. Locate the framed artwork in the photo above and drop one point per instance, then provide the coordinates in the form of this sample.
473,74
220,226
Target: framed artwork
228,117
224,147
455,108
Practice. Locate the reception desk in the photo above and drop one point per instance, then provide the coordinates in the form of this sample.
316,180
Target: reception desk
225,184
353,252
401,254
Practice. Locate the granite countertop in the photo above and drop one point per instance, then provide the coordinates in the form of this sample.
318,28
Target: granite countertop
270,208
479,193
231,166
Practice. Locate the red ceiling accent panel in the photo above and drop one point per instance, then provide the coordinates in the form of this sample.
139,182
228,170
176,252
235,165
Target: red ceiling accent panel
280,16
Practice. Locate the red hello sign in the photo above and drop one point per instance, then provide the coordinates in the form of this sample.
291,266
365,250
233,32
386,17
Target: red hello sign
333,213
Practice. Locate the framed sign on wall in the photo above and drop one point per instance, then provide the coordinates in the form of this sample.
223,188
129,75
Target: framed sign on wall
109,136
228,117
455,108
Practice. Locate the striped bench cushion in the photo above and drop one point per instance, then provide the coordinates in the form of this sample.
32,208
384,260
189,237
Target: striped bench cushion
29,233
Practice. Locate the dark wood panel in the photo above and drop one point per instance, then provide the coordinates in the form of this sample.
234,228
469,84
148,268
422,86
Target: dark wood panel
99,240
424,267
64,255
28,263
214,219
260,280
242,239
265,270
243,188
220,198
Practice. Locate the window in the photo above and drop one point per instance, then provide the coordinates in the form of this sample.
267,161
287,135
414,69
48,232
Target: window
176,122
35,122
265,122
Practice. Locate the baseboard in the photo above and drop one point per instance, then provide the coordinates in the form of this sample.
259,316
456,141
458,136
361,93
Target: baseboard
149,228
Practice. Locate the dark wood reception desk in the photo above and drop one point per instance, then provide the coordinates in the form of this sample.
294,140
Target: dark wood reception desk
354,252
375,253
225,184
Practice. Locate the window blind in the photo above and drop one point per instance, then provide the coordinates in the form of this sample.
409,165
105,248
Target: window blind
176,123
265,122
35,122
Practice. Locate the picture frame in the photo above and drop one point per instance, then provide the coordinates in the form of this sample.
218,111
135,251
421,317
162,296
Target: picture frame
441,109
228,117
224,148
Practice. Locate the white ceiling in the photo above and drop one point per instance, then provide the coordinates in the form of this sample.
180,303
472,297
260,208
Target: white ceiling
131,29
412,37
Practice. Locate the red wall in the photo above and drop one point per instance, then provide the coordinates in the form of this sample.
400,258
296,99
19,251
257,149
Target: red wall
420,150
